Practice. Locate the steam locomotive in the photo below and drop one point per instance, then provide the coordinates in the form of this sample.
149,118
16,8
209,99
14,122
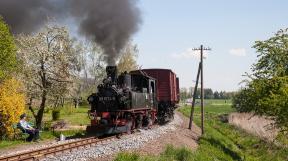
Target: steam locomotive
133,100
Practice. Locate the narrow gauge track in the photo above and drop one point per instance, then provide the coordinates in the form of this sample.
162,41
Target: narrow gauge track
57,149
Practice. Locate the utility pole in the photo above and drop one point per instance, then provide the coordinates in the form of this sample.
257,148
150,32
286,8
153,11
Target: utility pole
194,97
202,86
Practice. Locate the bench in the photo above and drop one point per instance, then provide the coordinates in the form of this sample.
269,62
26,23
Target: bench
19,132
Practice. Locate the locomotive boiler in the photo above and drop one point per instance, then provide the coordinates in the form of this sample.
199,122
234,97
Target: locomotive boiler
132,100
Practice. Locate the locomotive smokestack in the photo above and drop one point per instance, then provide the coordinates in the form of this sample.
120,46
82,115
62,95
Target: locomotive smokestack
112,73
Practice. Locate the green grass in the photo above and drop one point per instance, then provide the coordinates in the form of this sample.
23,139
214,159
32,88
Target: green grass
6,143
221,141
170,154
226,142
71,115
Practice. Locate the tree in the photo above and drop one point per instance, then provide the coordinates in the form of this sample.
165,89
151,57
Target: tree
97,64
7,51
184,94
49,61
127,61
216,95
208,93
266,93
272,56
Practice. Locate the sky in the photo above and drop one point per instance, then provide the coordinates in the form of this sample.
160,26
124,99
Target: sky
170,29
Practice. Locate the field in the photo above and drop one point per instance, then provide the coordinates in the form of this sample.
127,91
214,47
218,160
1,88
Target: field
220,142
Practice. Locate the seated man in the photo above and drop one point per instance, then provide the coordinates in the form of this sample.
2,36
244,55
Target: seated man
26,128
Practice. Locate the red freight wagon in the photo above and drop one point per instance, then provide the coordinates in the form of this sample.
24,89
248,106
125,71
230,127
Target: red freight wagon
167,85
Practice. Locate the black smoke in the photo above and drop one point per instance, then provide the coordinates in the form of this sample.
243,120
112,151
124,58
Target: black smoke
110,23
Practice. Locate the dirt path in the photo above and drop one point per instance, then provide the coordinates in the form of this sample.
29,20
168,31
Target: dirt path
182,136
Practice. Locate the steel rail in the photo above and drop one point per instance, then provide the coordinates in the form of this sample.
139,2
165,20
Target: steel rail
56,149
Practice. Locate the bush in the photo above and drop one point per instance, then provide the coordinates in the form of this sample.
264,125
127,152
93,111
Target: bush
267,97
56,114
12,104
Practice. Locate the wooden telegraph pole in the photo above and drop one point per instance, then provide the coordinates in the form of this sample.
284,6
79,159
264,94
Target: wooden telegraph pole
194,97
202,90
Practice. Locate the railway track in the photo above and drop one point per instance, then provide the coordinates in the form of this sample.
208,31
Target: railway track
57,149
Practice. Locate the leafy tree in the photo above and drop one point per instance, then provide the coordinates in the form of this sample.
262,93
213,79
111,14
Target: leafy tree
216,95
49,61
272,56
7,51
208,93
184,94
12,105
267,91
127,61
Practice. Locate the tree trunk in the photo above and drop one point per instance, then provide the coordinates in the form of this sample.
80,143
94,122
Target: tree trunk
41,109
62,101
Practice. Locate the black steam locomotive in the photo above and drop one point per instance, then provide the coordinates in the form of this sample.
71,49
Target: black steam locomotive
130,101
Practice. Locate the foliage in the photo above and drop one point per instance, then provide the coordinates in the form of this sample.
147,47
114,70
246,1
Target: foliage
208,94
55,114
267,91
265,97
12,104
49,64
8,60
127,61
273,56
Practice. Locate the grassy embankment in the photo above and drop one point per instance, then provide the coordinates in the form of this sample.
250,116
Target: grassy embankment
69,114
220,142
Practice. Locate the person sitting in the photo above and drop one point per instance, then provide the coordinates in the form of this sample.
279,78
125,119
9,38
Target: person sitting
26,128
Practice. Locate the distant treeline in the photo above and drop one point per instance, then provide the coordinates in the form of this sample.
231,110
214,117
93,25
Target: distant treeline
208,94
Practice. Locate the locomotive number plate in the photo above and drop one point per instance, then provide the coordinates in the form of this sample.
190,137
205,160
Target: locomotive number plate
107,98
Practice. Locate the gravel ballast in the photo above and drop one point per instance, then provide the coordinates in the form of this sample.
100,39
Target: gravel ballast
113,146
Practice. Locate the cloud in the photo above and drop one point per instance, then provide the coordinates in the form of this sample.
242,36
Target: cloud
189,54
238,51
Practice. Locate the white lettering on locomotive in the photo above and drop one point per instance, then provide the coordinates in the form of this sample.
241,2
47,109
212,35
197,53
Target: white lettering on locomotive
107,98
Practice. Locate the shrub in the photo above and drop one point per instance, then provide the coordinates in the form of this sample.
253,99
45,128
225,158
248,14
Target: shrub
56,114
12,104
267,97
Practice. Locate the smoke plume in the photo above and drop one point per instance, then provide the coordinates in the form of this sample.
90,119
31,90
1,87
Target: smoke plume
110,23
